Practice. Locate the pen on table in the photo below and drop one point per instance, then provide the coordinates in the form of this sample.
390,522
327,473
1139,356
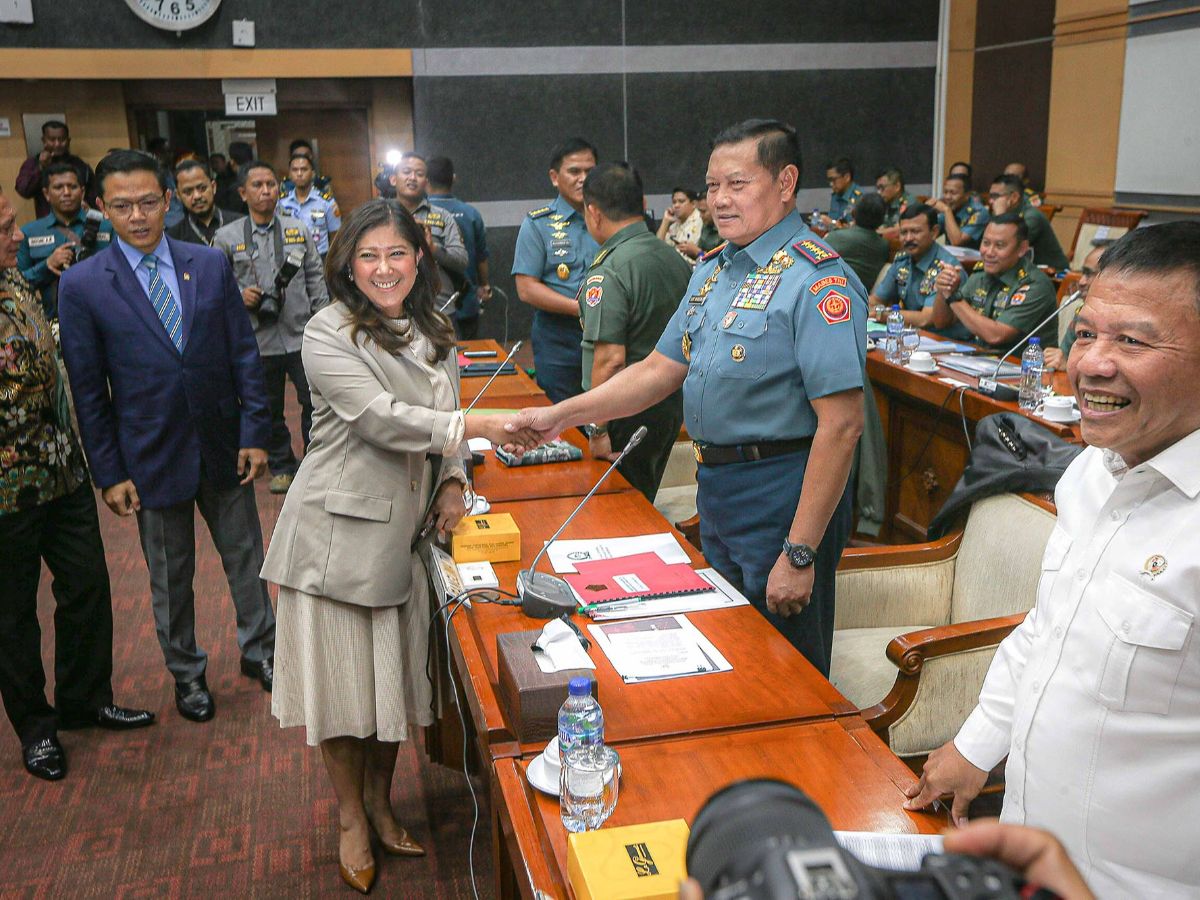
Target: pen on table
619,603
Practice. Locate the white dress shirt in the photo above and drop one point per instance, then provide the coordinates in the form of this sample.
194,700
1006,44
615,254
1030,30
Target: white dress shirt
1096,696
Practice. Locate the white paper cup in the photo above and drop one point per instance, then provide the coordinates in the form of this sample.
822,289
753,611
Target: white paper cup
1057,409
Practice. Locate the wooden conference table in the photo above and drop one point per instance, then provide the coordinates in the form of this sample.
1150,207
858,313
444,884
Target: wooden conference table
923,424
772,715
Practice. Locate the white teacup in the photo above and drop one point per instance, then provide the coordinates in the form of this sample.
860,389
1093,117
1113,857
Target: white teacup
1057,409
551,758
922,361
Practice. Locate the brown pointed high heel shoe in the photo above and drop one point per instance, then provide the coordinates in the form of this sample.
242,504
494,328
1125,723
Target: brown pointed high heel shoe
406,846
359,879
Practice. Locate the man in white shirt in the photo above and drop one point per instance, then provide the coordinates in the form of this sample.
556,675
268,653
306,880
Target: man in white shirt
1095,698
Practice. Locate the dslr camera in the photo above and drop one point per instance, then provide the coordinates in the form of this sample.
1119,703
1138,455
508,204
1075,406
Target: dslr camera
268,306
763,839
92,220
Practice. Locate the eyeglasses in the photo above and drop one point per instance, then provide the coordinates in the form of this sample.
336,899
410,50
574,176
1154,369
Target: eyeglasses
122,209
995,196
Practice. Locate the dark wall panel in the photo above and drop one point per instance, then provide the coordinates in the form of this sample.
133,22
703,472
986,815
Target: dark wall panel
842,112
779,22
319,23
502,243
500,131
1010,118
1012,21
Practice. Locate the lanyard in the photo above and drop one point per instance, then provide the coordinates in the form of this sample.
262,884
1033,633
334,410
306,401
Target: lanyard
207,240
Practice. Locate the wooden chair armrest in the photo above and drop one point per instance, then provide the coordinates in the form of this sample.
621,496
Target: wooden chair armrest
900,555
910,651
690,528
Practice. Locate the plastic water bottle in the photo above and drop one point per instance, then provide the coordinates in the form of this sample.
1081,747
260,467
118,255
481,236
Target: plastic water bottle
1032,364
580,718
815,221
893,349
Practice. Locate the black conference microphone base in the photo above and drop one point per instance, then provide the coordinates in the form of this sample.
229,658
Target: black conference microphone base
544,596
990,387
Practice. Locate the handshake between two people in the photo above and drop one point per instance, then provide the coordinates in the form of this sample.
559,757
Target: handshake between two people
517,432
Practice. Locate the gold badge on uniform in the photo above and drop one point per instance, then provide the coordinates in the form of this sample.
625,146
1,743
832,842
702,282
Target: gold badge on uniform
687,346
563,271
558,235
738,353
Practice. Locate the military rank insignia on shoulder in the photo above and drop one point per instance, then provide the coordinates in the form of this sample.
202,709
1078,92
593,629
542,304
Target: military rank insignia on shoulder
539,212
705,257
978,266
600,258
814,251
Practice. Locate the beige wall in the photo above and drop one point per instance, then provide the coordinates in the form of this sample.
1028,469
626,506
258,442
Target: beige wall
1085,108
95,112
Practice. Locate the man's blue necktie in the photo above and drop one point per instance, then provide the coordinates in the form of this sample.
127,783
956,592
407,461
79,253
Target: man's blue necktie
164,302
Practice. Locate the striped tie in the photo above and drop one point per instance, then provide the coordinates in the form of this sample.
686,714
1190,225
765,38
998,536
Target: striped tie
164,302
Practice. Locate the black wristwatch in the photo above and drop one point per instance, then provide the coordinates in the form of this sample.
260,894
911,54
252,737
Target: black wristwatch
799,555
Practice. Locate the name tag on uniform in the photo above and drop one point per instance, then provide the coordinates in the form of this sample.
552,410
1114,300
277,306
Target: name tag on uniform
756,291
317,214
44,240
103,237
293,236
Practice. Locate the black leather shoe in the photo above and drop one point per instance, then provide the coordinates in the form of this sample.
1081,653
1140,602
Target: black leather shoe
193,700
112,717
263,671
45,759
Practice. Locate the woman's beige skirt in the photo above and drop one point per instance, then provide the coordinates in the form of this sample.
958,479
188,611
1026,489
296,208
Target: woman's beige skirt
342,669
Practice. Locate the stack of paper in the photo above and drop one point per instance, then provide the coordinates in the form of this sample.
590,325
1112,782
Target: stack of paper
902,852
657,649
564,554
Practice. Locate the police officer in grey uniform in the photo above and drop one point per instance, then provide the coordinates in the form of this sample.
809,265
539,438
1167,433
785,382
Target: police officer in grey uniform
769,345
259,246
411,181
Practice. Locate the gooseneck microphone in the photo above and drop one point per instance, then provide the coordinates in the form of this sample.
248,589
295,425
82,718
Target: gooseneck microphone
545,596
499,369
989,386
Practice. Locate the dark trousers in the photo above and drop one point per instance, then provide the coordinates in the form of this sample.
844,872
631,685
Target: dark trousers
745,511
557,356
66,534
644,466
169,544
280,456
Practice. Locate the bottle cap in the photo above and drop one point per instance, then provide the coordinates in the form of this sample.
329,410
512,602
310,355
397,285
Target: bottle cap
896,306
1035,341
580,686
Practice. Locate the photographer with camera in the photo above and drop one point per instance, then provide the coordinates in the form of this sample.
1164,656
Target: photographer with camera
68,234
279,272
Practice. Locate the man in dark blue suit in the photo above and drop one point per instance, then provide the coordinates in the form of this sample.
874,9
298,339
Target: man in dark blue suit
173,412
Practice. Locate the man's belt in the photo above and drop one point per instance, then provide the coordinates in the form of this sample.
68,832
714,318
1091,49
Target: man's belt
716,455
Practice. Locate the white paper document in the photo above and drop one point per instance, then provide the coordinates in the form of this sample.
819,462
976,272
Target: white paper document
657,649
723,596
564,554
903,852
479,444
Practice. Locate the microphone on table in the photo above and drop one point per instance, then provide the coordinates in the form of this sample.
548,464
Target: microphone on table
445,306
545,596
499,369
989,386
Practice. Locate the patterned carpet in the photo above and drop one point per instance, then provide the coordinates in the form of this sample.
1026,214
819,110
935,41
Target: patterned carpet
235,807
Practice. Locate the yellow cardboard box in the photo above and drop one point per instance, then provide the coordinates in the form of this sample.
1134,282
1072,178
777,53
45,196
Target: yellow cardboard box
634,862
494,537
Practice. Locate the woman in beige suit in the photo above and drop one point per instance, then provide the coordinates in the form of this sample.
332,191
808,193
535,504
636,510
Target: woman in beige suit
384,459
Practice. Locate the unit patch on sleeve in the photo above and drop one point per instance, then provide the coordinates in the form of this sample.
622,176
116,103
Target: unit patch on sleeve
594,295
834,307
827,281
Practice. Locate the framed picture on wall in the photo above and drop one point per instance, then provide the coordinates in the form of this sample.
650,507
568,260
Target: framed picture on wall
33,129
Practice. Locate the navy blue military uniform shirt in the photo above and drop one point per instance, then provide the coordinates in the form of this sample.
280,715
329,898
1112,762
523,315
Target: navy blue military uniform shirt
474,235
764,329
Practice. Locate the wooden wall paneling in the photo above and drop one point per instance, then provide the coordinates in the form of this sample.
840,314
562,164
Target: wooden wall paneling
928,452
342,141
390,121
1085,108
960,77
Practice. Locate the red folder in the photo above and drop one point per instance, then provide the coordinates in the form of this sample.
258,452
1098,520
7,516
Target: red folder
630,577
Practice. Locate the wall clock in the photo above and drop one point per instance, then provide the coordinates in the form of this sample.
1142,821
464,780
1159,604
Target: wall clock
174,15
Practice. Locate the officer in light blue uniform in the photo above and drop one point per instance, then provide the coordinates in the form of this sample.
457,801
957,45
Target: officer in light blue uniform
319,213
769,346
910,279
555,249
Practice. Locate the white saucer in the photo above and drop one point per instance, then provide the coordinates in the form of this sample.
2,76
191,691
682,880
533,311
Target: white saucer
1075,417
928,371
541,777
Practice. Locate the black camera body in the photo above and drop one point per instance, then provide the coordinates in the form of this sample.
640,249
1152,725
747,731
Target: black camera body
92,220
272,300
766,840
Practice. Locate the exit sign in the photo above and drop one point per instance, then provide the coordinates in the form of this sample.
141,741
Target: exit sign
249,96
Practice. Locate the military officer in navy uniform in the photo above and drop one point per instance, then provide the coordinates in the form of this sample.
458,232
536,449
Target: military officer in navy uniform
769,345
58,239
553,253
910,281
961,215
844,194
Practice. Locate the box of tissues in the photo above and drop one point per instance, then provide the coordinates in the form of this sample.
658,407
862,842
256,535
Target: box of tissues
530,696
